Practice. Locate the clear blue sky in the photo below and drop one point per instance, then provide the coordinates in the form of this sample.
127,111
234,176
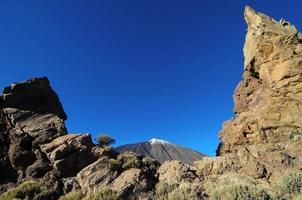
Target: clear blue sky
135,69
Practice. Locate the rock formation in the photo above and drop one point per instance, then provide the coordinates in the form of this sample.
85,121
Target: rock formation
31,115
34,144
262,141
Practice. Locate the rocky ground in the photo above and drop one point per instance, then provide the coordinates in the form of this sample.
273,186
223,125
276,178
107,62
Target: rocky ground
259,146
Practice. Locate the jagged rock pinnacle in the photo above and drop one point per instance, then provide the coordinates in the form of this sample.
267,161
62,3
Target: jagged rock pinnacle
267,102
260,25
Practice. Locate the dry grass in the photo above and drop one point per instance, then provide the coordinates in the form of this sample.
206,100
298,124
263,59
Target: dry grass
236,187
105,194
29,190
183,191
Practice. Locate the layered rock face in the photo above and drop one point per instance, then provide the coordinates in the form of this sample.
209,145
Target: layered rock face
34,144
31,114
264,137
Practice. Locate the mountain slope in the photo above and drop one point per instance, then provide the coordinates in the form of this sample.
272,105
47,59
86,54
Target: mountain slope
162,151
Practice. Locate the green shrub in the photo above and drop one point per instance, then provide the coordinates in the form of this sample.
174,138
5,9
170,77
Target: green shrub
104,194
240,192
115,164
162,189
235,187
291,183
298,197
151,164
29,190
130,160
104,140
182,192
74,195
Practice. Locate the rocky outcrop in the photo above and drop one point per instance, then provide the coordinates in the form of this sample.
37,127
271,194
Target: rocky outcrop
35,145
174,171
266,131
217,165
32,107
31,114
262,141
70,153
129,175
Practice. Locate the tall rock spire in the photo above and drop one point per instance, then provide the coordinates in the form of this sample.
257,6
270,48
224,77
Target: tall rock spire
268,101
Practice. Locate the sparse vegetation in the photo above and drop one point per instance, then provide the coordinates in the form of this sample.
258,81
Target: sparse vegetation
162,189
298,197
74,195
236,187
183,191
291,185
130,160
105,140
115,164
29,190
105,194
240,192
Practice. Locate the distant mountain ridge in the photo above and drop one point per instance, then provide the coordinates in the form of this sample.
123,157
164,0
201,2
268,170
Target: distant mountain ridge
162,151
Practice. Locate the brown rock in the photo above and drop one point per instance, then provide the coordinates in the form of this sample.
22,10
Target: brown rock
34,108
265,133
254,169
131,181
175,171
38,169
97,175
70,153
217,165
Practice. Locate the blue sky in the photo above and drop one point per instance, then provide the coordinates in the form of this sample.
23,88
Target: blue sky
135,69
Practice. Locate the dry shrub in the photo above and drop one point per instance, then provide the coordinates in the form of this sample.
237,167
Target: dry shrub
291,183
236,187
183,191
29,190
104,194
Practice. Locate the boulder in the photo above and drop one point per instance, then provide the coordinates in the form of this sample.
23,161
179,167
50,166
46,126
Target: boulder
70,153
30,115
97,175
174,171
33,107
130,182
217,165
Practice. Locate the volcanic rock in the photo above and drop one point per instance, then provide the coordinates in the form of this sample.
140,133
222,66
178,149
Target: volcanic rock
174,171
266,131
31,114
70,153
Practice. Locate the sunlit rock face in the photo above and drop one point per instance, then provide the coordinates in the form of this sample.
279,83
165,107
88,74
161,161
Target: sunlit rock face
266,130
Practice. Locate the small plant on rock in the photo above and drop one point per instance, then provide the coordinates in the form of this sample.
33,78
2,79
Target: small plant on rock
105,140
